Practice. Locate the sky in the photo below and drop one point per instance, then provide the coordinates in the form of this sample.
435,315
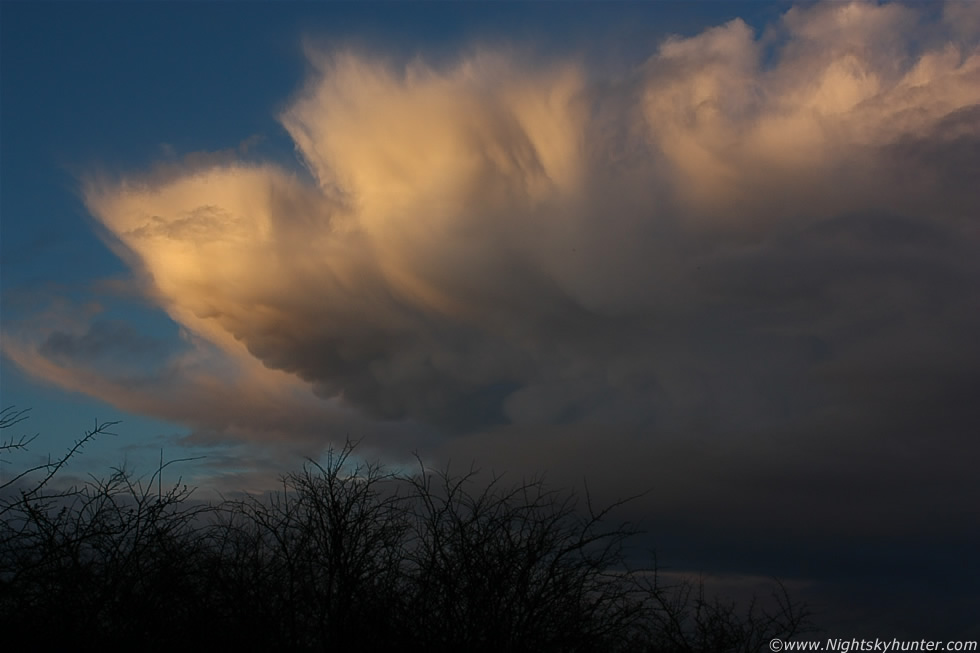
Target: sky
723,255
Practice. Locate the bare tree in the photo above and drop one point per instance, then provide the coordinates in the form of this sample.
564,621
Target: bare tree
106,560
10,417
681,618
514,567
323,553
346,553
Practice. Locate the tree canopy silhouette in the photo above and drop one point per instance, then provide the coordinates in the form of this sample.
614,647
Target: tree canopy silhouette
345,553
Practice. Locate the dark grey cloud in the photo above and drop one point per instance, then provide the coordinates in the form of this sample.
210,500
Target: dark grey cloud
106,341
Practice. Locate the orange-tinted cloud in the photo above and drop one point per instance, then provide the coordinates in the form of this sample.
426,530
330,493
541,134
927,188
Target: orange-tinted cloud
496,240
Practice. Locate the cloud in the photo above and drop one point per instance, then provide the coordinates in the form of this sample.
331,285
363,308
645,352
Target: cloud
113,341
223,400
494,242
742,233
744,136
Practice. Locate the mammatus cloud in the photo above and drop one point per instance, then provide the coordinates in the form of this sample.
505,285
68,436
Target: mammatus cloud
745,231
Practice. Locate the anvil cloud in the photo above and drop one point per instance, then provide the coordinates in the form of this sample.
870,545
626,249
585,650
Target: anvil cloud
731,232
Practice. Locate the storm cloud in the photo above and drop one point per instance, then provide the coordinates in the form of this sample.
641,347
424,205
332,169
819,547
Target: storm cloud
742,230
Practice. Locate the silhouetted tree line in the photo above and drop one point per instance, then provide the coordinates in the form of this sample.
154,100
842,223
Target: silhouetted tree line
345,554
